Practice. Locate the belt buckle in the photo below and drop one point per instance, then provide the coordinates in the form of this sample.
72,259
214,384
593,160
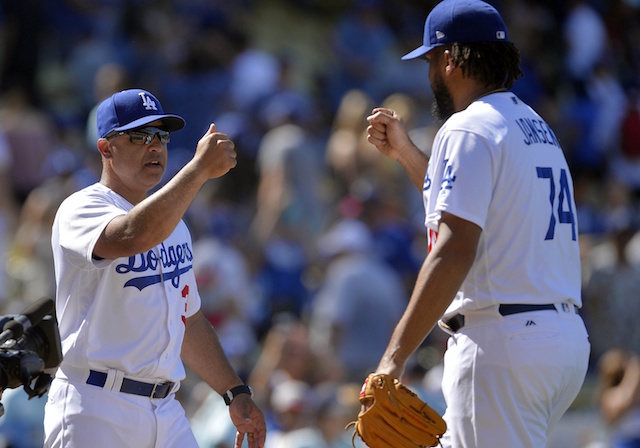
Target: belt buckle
569,308
153,391
445,327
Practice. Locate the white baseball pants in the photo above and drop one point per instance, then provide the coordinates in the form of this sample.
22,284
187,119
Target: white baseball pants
508,380
79,415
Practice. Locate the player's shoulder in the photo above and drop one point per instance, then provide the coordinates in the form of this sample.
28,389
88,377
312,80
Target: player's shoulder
93,197
480,120
488,116
94,190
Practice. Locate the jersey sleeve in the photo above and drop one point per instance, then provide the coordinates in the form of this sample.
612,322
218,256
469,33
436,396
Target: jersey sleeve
463,176
80,221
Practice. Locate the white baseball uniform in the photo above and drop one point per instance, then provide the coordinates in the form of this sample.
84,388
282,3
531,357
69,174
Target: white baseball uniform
509,378
124,319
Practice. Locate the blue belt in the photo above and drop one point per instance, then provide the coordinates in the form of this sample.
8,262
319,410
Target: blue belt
129,386
456,322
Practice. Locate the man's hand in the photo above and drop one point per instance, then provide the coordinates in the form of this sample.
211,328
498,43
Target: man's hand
387,132
249,421
215,153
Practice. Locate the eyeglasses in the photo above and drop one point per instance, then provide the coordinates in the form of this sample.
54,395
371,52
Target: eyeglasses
144,136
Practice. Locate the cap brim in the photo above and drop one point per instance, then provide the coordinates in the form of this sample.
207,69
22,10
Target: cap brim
420,51
171,122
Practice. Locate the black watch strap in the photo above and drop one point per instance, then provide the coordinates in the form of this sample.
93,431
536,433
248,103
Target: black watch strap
229,395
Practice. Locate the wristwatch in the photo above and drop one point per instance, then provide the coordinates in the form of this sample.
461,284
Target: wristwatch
235,391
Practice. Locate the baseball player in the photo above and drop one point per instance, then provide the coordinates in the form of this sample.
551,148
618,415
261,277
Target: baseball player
502,275
127,301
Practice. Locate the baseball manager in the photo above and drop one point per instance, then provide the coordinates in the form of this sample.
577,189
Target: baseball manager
127,301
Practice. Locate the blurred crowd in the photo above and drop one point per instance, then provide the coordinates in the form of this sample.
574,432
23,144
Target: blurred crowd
307,251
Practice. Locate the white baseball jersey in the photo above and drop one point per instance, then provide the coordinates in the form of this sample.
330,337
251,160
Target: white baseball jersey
128,313
499,165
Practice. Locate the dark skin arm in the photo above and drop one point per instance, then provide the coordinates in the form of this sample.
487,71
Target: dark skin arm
440,278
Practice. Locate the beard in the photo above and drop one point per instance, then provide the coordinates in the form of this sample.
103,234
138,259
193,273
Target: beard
442,107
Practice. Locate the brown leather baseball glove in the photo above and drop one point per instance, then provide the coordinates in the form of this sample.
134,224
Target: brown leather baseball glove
395,417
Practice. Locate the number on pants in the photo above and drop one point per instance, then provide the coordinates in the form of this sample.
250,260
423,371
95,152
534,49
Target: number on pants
565,212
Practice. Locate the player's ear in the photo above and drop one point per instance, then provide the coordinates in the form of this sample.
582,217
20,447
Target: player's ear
449,64
104,148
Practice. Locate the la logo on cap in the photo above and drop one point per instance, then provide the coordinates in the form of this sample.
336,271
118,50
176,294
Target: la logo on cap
147,102
133,108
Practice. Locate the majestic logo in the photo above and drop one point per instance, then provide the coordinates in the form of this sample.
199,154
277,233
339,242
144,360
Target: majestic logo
174,261
147,102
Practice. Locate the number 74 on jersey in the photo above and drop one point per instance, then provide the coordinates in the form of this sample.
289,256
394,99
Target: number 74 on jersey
564,201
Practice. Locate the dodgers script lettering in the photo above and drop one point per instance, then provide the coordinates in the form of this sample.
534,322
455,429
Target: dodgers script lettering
173,260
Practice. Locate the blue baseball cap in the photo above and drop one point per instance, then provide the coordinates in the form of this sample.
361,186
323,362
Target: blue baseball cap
131,109
460,21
